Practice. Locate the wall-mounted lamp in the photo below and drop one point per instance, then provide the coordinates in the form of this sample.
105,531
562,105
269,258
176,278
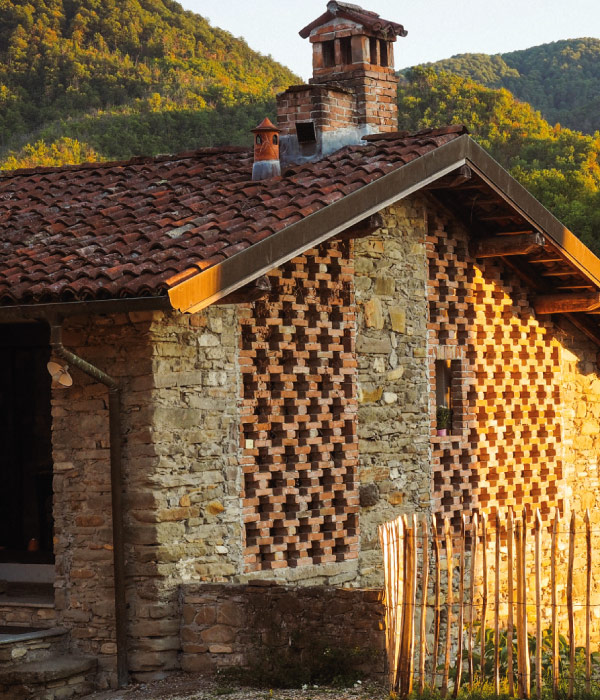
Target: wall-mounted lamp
60,373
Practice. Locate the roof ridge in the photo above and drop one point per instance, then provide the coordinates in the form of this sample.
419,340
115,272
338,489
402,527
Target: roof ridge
135,160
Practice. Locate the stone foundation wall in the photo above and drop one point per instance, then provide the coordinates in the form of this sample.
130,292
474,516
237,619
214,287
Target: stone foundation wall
271,629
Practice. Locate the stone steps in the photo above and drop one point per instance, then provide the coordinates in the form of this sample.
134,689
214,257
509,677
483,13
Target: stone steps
22,644
35,665
55,678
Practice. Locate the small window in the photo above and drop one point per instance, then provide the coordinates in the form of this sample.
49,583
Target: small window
443,396
275,139
383,53
346,50
258,139
373,50
306,132
328,53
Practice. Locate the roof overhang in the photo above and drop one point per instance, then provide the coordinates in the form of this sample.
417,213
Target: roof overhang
221,280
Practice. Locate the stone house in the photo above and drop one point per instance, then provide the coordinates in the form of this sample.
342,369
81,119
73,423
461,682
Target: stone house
247,371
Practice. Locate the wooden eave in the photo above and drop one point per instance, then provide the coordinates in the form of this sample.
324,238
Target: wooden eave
465,179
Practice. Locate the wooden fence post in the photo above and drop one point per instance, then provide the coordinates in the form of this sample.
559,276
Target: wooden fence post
570,606
554,628
449,604
461,604
474,540
438,585
538,603
424,587
484,593
510,624
588,598
497,607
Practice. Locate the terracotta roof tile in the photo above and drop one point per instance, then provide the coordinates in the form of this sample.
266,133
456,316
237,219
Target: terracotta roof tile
113,230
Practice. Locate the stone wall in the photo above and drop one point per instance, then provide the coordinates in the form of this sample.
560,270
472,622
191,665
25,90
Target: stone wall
393,416
281,631
179,381
82,504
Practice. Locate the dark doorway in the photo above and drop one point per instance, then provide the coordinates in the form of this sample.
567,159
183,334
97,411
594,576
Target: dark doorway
26,445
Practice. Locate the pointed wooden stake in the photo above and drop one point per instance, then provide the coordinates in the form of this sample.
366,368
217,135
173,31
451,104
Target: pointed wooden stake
588,598
497,608
554,628
424,589
510,623
538,603
461,604
570,606
484,593
474,540
449,604
437,606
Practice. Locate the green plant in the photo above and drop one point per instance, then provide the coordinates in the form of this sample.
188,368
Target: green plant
546,642
443,417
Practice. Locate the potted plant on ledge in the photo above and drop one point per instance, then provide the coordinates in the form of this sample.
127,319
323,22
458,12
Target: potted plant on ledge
443,420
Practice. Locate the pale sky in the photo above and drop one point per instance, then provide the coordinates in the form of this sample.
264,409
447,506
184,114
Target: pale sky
436,28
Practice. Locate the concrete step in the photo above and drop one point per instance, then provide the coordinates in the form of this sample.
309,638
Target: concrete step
55,678
20,645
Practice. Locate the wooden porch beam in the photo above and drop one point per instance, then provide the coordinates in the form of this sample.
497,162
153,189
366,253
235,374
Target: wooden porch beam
458,177
498,246
363,228
566,303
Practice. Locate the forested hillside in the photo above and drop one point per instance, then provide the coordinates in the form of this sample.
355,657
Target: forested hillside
561,79
107,79
558,166
125,77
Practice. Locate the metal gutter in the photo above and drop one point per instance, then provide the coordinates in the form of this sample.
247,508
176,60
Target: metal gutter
21,312
207,287
116,482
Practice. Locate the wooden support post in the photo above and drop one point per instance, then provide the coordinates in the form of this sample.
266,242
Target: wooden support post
511,597
498,246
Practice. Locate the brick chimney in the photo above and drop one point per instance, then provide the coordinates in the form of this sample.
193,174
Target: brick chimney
353,89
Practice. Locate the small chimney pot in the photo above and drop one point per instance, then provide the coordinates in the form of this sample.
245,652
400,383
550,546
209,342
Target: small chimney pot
266,151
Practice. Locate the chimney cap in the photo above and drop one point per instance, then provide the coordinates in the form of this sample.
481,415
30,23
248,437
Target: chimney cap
371,21
265,125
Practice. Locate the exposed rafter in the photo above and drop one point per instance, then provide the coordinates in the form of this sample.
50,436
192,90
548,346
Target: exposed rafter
566,303
499,246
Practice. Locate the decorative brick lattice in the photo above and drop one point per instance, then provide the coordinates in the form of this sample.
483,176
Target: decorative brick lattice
299,410
504,445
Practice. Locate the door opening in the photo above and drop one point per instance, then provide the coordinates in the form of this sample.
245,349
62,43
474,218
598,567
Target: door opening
26,520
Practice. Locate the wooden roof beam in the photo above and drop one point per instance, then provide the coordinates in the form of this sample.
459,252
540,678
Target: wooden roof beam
566,303
499,246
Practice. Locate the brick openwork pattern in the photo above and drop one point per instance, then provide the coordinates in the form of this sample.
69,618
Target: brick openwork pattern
504,446
299,410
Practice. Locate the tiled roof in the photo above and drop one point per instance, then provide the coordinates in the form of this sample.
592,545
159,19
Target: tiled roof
132,229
